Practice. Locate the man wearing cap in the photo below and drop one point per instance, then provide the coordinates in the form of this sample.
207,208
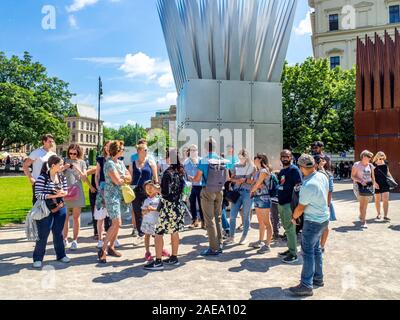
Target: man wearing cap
313,203
289,177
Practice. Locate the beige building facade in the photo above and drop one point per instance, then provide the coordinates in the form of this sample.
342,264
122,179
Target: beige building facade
84,129
163,118
336,24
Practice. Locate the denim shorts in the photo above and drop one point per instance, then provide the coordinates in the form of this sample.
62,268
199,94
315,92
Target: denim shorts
259,203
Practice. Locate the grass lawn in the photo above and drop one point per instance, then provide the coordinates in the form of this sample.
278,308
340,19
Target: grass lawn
16,199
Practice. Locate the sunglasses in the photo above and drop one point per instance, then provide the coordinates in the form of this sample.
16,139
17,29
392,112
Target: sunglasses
73,154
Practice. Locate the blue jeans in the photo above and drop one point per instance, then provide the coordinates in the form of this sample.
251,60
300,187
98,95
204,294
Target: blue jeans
55,224
194,199
225,223
245,201
312,254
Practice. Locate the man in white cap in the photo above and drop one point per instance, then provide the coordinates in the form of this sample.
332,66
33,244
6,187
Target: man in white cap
313,202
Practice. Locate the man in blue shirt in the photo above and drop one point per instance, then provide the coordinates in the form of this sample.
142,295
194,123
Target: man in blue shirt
313,202
211,201
289,178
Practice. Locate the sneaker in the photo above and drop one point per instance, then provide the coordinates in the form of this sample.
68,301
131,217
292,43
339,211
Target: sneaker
154,265
66,244
284,254
117,244
318,284
289,259
364,225
301,291
209,252
242,241
221,248
135,233
173,261
230,240
264,249
100,244
74,245
148,257
255,245
65,260
37,264
165,253
240,228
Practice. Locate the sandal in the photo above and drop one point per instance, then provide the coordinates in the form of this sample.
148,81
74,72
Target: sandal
379,217
113,253
102,254
387,219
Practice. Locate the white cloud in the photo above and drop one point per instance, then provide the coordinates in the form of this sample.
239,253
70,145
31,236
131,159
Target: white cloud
102,60
78,5
72,22
169,99
304,27
140,65
166,80
125,98
89,99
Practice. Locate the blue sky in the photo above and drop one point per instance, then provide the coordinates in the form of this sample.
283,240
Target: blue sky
119,40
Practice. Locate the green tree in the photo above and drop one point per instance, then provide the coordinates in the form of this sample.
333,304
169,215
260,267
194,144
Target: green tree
318,104
31,102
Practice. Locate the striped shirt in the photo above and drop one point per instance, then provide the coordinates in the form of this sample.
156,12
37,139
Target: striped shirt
42,190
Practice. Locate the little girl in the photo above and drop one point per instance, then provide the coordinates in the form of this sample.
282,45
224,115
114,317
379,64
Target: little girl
100,214
150,217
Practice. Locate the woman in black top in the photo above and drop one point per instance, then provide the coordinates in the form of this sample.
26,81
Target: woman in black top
172,211
51,186
382,194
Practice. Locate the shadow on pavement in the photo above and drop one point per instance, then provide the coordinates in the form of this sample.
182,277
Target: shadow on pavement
256,265
276,293
345,229
395,228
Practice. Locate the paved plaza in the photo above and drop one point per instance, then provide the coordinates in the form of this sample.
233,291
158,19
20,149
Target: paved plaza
358,265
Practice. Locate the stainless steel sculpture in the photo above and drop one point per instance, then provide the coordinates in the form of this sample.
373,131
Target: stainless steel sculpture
227,58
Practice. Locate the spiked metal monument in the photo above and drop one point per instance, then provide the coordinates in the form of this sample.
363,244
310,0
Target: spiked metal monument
227,58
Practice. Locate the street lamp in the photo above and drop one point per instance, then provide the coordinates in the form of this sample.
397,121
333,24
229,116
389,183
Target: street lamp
98,120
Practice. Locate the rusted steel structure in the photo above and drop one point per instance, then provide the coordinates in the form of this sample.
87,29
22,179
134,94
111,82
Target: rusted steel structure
377,115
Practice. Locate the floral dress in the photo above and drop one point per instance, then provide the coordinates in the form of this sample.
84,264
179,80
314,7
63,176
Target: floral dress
114,200
172,208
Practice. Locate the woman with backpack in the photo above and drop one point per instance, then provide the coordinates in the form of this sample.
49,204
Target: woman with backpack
262,190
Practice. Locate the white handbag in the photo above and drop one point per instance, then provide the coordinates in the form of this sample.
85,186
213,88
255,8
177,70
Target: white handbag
39,210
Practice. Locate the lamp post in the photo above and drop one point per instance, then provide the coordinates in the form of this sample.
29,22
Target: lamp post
99,123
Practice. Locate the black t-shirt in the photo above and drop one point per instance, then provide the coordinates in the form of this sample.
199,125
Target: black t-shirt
101,161
381,173
172,185
288,179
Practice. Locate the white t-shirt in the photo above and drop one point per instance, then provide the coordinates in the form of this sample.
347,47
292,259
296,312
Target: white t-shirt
39,156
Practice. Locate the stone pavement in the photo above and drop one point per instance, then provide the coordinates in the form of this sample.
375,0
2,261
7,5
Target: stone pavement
358,265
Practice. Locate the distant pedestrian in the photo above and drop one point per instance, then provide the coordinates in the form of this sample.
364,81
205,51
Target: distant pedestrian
382,192
363,175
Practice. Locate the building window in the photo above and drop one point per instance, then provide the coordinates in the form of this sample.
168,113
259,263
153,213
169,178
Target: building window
87,138
69,125
73,138
82,125
95,128
335,62
81,137
333,22
394,14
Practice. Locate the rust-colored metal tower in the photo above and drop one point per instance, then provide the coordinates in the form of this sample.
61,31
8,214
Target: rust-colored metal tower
377,115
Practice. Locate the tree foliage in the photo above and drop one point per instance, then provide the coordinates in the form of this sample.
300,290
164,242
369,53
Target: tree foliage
318,104
31,102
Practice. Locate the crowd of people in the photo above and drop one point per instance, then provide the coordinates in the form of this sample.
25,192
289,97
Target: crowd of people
298,198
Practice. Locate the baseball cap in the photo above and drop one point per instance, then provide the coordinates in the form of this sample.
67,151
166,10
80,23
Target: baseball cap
306,161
